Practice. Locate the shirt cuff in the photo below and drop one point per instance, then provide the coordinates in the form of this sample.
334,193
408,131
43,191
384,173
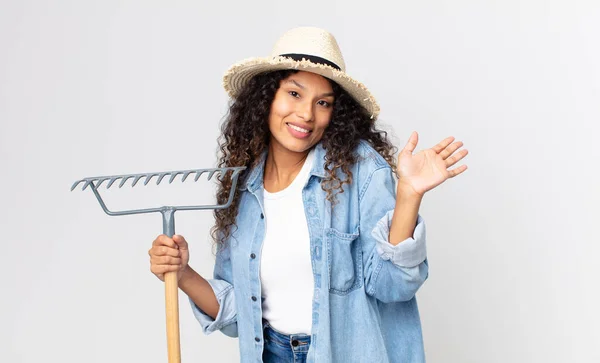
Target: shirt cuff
227,312
409,253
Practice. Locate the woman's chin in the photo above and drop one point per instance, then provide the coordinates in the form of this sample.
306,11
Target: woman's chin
297,146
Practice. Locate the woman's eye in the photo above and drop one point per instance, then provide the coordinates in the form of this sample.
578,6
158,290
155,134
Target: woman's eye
294,94
324,103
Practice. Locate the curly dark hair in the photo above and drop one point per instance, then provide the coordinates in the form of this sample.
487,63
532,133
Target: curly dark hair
245,135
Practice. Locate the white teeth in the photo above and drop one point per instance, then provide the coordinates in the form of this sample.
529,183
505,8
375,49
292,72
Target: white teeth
298,128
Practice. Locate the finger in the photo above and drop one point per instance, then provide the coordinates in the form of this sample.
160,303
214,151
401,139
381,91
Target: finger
411,145
164,240
180,241
456,158
450,149
443,144
165,260
161,269
164,251
456,171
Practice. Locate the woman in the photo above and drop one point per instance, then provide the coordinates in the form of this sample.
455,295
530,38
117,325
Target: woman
321,253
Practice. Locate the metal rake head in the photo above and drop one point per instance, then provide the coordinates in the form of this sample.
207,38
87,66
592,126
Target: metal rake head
161,175
168,218
95,182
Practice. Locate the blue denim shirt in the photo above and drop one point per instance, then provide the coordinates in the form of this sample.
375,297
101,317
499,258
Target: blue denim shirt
364,306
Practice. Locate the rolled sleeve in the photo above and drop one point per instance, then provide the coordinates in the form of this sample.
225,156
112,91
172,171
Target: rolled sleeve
226,317
409,253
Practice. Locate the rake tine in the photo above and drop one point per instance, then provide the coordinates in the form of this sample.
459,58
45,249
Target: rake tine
75,184
223,175
100,181
210,175
198,173
185,176
148,177
161,177
137,178
125,179
87,183
235,174
173,177
112,181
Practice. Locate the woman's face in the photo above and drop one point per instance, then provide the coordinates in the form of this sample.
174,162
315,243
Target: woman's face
300,111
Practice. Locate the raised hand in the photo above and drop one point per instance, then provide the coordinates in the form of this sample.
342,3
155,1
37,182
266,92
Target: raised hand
428,168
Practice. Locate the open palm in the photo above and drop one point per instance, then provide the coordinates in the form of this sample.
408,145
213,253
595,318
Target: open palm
428,168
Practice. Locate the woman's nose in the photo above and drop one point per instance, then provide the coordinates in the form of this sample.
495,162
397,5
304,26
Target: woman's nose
305,111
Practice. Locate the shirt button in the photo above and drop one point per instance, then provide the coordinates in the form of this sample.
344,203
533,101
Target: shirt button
252,255
257,339
254,298
262,216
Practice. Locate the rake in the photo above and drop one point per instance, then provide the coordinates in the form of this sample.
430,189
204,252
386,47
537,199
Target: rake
168,217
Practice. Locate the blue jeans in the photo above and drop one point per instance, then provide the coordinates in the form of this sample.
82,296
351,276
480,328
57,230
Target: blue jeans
283,348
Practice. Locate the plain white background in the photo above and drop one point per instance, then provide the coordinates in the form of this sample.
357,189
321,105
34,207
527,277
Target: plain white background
95,88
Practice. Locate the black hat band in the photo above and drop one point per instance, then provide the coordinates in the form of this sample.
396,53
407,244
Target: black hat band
312,58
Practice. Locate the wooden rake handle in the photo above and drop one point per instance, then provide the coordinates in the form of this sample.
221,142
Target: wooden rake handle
171,295
172,310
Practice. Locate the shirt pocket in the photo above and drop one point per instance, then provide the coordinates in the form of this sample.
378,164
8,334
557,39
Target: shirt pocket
344,256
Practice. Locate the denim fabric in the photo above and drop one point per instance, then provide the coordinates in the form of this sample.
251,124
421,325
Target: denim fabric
364,287
283,348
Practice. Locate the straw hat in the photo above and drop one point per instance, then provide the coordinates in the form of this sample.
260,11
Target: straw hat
305,49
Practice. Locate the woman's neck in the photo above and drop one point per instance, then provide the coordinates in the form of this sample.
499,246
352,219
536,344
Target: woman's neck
281,167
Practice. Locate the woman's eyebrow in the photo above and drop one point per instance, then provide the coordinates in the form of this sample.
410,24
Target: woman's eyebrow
329,94
296,83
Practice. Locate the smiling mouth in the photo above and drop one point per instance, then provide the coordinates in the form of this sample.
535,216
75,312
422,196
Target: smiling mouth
299,129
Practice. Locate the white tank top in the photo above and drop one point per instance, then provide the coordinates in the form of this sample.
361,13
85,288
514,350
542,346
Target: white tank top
285,268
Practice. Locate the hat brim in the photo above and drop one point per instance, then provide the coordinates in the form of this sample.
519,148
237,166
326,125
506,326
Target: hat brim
238,75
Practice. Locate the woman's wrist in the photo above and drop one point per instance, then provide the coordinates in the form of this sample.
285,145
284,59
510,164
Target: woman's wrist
186,275
407,193
405,215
